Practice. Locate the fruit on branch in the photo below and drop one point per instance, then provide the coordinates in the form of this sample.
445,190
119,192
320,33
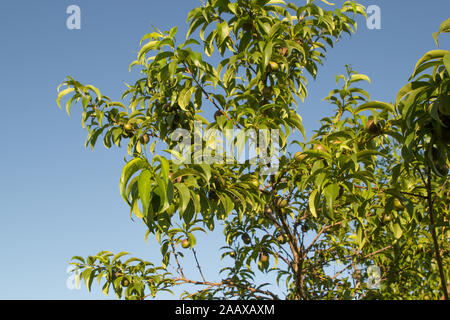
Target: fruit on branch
398,204
128,126
125,282
263,257
299,156
274,66
281,202
246,238
387,217
217,114
145,138
185,243
373,128
319,147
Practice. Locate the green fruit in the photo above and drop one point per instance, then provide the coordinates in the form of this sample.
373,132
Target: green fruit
128,126
217,114
263,257
274,66
319,147
299,156
373,128
145,138
387,218
125,282
246,238
281,202
398,204
185,243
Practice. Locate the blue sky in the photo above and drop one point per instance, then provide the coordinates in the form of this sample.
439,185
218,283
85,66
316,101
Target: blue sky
58,199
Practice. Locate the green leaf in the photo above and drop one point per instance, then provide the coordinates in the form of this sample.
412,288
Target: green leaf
312,203
145,187
206,168
407,88
223,30
105,288
81,259
120,254
359,77
430,55
165,166
63,93
130,168
97,92
185,97
185,196
267,53
375,105
331,193
397,229
161,190
147,47
444,28
447,62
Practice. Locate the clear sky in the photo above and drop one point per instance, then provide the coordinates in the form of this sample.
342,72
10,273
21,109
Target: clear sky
58,199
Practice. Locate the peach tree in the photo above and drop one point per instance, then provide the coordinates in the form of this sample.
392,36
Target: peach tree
358,211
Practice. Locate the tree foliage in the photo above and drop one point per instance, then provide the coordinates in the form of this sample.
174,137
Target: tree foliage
368,189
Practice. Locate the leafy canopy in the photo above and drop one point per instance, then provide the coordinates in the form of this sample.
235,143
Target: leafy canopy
358,211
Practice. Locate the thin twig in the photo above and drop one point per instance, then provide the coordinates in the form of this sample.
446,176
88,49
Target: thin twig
198,264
